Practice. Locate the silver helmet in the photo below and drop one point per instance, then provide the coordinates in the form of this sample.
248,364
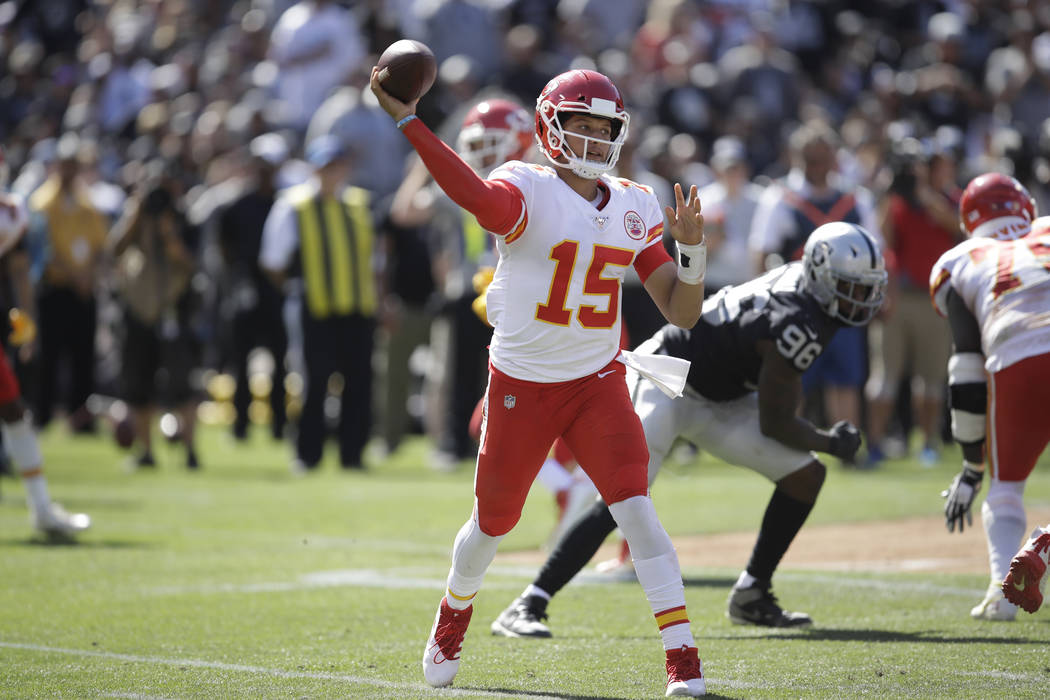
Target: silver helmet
845,272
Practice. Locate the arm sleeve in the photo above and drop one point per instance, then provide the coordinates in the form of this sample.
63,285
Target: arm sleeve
966,333
497,204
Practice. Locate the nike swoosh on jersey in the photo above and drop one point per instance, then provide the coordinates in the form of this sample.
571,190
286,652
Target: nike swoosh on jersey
605,373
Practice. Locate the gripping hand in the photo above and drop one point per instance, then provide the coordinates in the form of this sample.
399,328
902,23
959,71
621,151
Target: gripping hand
960,497
845,440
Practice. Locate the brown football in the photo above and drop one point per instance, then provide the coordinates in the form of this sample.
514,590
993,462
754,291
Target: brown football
407,69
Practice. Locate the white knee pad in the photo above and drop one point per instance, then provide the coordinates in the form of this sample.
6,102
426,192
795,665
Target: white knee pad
640,526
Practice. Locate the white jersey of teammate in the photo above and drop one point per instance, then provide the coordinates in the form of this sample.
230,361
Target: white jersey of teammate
555,299
13,220
1006,284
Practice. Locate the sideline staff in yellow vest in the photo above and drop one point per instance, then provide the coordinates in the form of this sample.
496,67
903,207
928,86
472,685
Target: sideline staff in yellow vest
318,240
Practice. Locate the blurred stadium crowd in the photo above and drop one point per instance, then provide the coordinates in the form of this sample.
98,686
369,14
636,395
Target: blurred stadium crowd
114,111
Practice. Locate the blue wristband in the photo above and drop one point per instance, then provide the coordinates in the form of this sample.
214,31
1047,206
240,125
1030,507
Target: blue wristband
406,120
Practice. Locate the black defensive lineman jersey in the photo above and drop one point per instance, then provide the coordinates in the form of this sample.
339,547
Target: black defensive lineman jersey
722,345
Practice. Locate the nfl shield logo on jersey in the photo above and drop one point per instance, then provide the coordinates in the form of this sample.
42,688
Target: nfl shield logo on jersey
634,225
509,401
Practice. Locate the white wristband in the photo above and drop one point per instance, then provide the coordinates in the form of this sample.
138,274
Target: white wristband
692,262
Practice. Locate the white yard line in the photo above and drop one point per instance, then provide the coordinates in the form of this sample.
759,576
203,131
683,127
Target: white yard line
414,688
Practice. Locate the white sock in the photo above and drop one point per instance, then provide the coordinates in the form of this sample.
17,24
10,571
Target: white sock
24,449
532,589
554,476
656,566
746,580
471,556
1003,517
36,493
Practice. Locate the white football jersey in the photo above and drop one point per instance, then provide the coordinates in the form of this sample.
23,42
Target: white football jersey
13,220
555,299
1006,284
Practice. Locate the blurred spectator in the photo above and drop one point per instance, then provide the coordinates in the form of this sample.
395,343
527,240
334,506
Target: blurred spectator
407,308
69,235
355,118
446,23
945,92
54,22
316,45
1030,104
768,80
155,251
729,206
602,24
919,222
253,304
527,68
322,232
787,212
124,87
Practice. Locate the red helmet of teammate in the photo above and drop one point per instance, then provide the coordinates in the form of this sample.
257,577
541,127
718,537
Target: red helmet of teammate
996,206
580,92
493,132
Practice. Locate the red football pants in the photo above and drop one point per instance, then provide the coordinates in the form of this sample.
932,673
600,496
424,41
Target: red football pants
1018,418
593,415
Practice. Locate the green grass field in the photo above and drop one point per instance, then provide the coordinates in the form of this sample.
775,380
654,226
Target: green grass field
243,581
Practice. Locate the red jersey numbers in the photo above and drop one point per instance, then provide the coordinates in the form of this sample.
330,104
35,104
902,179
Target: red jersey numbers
564,254
1018,264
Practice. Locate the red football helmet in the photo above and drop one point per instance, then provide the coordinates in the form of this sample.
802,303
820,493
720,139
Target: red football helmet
493,132
586,92
996,206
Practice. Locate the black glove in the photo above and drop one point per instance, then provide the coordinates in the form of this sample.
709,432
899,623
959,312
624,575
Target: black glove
845,440
960,497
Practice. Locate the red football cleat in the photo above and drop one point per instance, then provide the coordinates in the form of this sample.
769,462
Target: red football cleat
685,673
441,658
1023,585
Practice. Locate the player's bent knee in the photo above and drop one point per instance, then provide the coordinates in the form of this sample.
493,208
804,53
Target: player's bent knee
805,484
497,524
622,493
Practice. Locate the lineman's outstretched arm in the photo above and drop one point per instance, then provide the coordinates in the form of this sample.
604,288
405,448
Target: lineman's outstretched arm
780,395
